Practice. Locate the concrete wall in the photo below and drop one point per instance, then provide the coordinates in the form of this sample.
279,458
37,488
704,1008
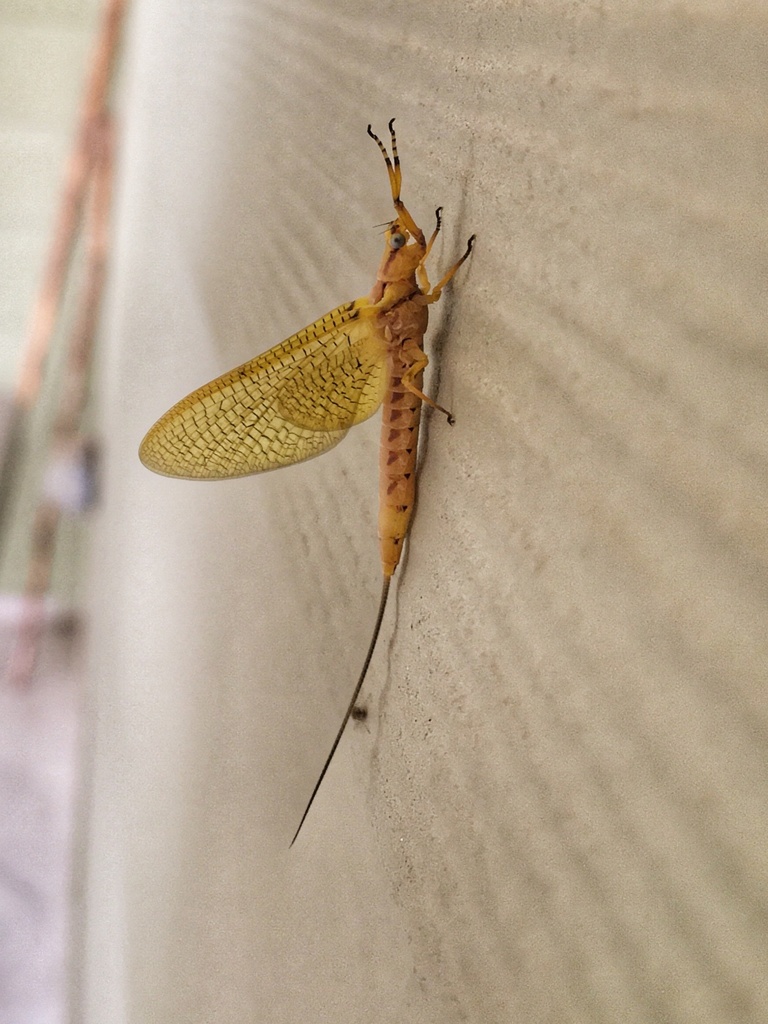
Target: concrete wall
558,809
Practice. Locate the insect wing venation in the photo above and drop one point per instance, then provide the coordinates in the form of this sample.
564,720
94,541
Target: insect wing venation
289,404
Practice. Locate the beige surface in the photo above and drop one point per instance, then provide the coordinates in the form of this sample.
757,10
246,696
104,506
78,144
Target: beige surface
559,813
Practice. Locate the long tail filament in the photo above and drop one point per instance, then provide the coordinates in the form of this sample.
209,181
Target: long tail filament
353,700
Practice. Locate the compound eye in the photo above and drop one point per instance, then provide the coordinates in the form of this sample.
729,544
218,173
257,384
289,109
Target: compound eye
397,241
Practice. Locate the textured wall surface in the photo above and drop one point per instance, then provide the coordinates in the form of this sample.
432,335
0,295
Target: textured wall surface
558,809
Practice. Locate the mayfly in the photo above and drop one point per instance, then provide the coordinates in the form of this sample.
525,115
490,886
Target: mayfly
301,397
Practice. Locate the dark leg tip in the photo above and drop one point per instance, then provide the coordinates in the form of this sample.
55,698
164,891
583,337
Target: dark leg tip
451,419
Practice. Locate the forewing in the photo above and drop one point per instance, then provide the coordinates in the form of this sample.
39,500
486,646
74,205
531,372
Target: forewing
293,402
344,387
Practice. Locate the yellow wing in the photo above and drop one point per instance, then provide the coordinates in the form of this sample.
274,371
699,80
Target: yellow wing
293,402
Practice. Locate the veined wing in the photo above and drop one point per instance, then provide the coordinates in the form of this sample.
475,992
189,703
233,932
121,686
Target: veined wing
289,404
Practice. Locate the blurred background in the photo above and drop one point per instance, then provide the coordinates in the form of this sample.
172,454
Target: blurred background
46,54
556,808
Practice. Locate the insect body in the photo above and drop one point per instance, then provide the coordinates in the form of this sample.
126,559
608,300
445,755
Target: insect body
299,399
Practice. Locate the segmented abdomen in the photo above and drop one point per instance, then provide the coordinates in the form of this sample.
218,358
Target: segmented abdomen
397,464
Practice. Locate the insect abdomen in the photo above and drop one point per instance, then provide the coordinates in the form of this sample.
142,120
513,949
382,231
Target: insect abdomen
397,465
